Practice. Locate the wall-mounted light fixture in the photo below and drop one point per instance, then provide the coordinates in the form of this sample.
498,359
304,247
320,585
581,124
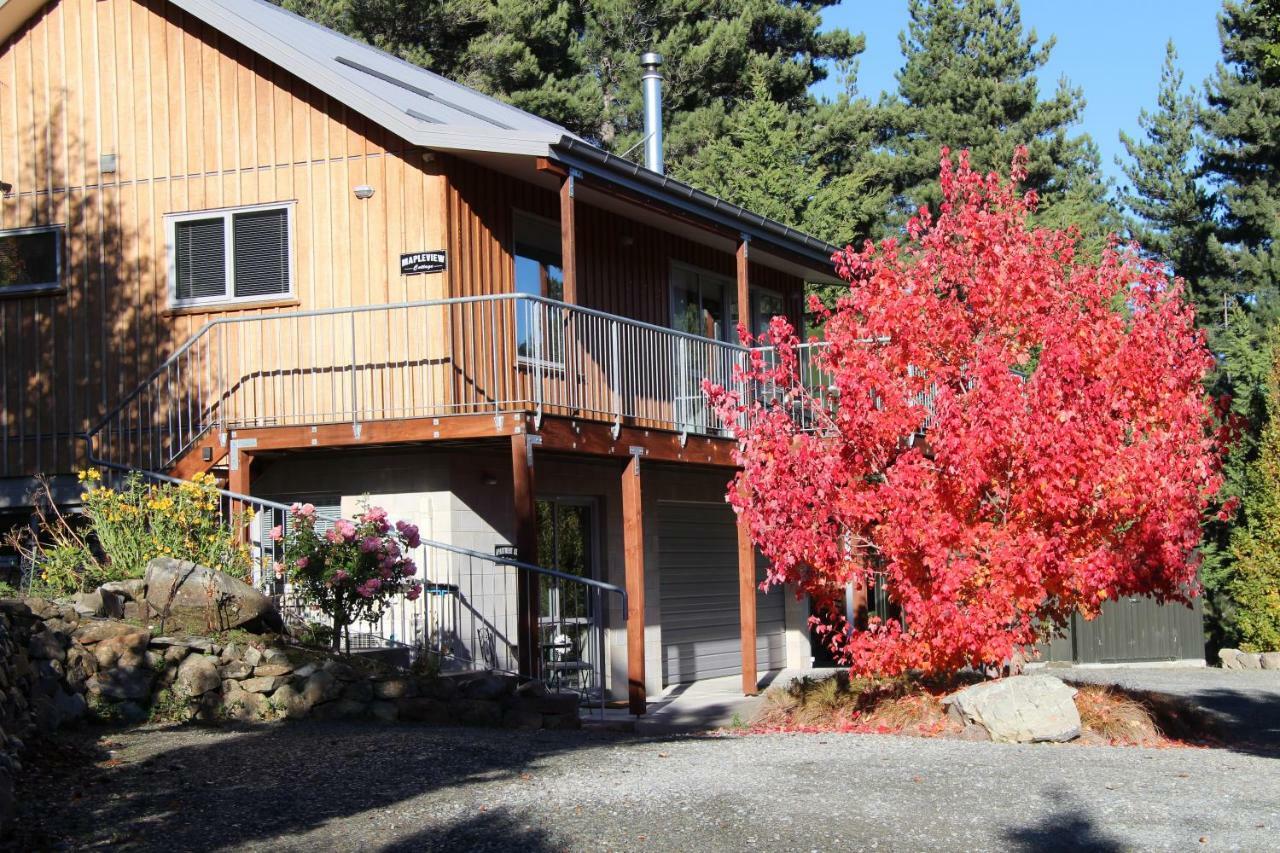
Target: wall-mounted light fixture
107,164
364,191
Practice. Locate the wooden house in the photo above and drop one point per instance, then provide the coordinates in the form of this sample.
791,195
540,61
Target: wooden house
234,240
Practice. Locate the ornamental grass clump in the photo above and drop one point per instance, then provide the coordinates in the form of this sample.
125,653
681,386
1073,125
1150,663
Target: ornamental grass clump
352,571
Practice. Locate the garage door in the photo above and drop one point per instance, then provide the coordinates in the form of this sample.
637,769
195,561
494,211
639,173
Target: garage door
698,585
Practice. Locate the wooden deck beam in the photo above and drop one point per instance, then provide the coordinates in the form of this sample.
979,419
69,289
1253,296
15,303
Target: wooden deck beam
559,434
595,438
379,432
744,284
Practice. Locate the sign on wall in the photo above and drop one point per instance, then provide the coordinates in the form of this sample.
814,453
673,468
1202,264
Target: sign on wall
414,263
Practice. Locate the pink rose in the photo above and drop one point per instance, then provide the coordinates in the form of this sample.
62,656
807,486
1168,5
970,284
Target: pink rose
333,535
408,568
279,569
370,544
374,584
277,533
302,562
340,576
345,529
413,592
386,573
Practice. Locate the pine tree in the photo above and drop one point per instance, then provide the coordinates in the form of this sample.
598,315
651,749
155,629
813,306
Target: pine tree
1253,586
1170,214
577,62
969,82
1241,124
762,161
1242,156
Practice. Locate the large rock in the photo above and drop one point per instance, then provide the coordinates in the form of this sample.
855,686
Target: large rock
1021,709
321,687
1250,661
197,675
122,649
1271,660
183,586
119,684
90,633
1230,658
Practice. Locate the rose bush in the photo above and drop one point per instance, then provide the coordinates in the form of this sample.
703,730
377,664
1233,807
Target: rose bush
352,571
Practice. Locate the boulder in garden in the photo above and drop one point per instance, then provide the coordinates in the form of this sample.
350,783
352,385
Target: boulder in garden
186,587
1022,709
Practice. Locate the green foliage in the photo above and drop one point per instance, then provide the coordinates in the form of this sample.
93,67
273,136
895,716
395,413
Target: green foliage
578,63
1170,213
762,161
969,82
1253,584
141,521
1236,283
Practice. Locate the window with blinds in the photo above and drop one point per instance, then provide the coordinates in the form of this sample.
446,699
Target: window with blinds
232,255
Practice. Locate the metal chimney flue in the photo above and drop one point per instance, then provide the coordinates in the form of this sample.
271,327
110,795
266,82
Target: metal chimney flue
652,82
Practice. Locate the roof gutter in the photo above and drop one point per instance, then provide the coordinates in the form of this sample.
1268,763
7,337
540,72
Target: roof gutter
591,160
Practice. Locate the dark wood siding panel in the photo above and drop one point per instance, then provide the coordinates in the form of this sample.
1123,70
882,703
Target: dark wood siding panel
624,266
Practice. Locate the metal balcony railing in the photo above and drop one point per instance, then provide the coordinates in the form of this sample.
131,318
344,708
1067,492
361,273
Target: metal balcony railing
502,353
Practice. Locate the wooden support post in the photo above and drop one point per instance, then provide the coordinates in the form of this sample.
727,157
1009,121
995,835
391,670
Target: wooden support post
633,561
239,480
858,602
568,240
744,285
527,591
747,608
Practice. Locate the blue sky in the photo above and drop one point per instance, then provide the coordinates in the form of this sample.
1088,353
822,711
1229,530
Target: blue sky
1113,50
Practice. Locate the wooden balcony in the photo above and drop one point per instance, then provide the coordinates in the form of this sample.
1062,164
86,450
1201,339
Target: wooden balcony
345,375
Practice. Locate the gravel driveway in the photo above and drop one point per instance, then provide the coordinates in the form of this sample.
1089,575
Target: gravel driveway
316,786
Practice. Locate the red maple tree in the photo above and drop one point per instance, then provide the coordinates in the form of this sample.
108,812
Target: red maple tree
1004,432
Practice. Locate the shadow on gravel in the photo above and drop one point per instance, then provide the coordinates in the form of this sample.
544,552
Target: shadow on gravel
223,789
1243,720
494,831
1068,829
1249,720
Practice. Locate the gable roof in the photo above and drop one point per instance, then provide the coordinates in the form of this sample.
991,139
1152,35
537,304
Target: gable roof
417,105
429,110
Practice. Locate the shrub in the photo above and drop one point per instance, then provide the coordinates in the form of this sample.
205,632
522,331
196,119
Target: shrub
124,529
143,520
352,571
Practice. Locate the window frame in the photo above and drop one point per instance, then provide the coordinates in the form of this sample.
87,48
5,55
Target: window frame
729,296
45,287
552,340
227,214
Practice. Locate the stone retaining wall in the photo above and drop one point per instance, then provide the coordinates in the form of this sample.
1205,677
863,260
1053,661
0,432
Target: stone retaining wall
58,666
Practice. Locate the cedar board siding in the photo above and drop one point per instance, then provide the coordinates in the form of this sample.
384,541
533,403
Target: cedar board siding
624,269
631,280
197,122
